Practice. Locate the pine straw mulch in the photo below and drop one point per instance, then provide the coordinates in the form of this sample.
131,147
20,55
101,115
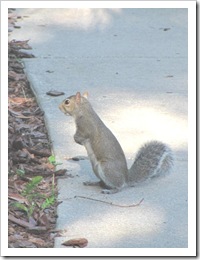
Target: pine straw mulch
32,177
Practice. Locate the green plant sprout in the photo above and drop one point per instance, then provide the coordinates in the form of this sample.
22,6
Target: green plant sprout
20,172
52,160
29,192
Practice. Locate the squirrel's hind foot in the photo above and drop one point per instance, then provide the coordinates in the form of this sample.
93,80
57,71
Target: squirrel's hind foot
111,191
92,183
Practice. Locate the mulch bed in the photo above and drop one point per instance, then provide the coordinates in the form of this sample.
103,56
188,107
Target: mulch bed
32,176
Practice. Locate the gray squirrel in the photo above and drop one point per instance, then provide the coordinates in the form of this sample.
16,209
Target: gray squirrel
105,153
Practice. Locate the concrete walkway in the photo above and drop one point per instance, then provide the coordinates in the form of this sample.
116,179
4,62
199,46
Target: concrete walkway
133,63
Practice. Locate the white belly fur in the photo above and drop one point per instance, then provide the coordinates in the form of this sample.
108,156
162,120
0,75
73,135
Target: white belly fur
96,165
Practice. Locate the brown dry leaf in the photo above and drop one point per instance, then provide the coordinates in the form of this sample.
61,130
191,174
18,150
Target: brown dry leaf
17,197
60,172
49,166
19,185
20,44
37,134
43,220
44,185
15,237
15,76
17,114
18,221
14,113
22,244
20,100
11,230
22,154
32,222
12,16
37,170
18,143
30,170
42,153
38,241
78,242
16,65
22,126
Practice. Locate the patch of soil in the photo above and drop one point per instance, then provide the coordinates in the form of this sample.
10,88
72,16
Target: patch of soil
31,177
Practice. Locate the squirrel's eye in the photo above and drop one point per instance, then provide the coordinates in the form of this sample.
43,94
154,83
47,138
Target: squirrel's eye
67,102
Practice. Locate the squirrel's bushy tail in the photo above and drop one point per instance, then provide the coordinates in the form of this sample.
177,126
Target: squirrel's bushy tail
154,158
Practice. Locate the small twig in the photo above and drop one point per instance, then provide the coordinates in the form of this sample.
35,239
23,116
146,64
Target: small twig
53,184
19,221
24,93
111,203
42,153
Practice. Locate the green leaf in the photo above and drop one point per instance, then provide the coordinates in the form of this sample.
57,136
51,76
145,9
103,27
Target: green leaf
20,206
20,172
31,209
48,202
52,159
36,180
32,184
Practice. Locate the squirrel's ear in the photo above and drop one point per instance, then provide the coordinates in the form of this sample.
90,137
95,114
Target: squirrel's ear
85,94
78,97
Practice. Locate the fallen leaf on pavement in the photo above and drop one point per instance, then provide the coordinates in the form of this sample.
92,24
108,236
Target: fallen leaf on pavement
55,93
78,242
